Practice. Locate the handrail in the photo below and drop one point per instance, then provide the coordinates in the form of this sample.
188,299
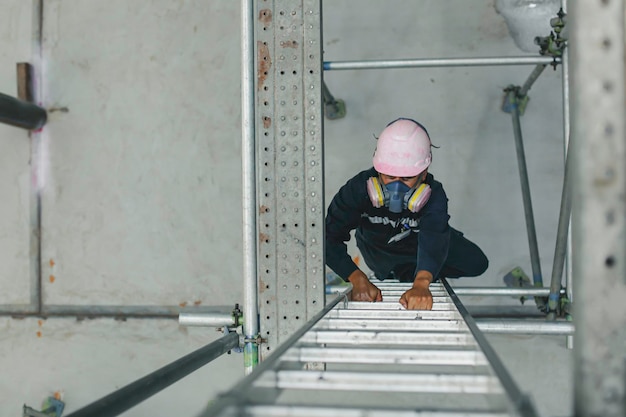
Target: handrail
132,394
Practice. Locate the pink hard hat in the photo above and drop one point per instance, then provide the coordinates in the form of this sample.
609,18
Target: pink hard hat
403,149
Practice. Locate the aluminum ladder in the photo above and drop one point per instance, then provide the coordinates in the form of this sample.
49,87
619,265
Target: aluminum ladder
378,359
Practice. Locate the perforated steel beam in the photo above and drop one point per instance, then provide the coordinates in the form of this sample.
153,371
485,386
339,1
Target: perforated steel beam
290,166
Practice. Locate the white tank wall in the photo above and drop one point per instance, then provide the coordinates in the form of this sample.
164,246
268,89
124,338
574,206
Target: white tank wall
15,46
141,199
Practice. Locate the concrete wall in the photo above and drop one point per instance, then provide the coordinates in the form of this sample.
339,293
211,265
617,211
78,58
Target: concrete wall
140,194
140,177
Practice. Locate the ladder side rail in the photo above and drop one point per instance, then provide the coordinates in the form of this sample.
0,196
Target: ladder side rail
521,401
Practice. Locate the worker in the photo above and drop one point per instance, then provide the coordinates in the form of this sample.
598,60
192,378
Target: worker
399,213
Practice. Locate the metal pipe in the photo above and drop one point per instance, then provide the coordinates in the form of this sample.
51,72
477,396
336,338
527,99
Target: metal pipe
132,394
560,248
250,304
523,403
554,328
217,316
505,311
206,320
103,311
37,140
523,174
566,138
438,62
19,113
531,80
499,291
472,291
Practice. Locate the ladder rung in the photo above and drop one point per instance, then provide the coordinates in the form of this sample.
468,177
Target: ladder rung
314,411
407,285
386,356
381,360
399,292
394,305
381,382
399,314
391,325
404,338
394,298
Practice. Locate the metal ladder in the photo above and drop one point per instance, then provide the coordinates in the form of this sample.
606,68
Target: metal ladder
378,359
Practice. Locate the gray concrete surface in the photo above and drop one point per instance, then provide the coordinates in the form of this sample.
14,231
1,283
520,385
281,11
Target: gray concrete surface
141,191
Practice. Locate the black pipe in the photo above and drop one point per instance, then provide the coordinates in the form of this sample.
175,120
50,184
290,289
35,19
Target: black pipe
19,113
132,394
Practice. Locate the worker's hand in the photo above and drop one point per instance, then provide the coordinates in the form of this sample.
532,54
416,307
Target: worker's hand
419,297
362,288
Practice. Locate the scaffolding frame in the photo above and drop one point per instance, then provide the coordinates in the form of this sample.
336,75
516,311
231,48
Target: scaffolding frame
599,208
271,97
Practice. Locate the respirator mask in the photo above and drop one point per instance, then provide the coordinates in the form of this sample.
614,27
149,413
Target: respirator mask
397,196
